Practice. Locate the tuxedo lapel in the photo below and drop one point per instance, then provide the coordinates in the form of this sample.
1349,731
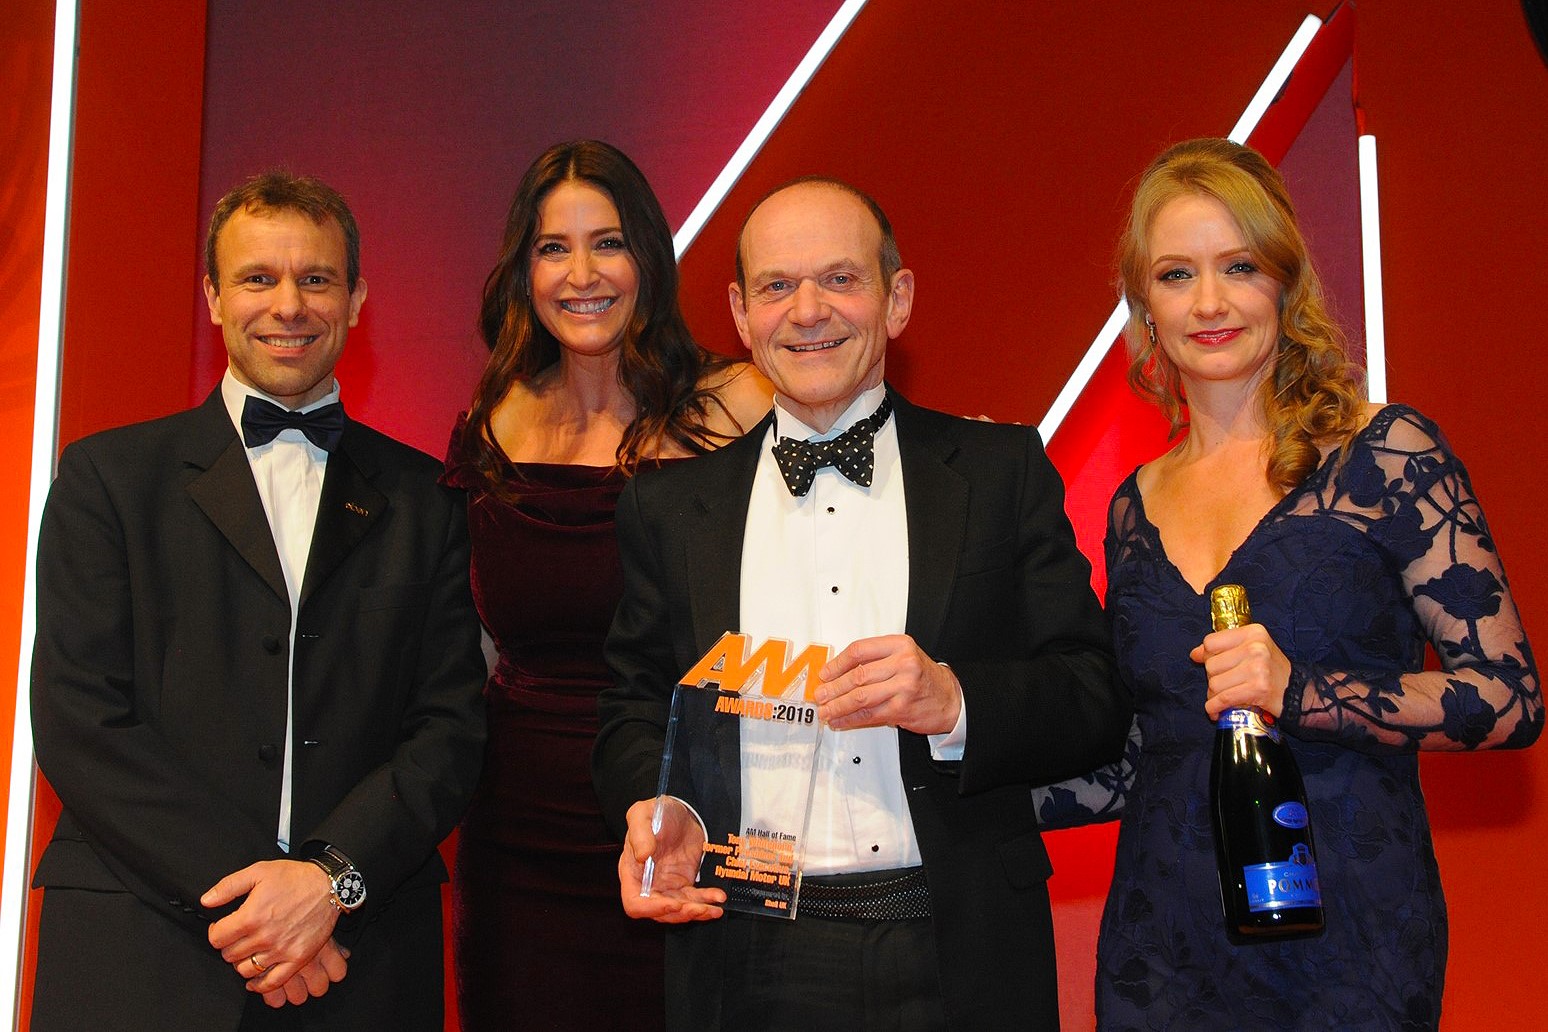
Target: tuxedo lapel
350,505
936,501
713,556
714,549
227,493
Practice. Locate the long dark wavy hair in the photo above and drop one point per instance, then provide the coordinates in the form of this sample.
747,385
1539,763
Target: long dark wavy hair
1313,396
660,365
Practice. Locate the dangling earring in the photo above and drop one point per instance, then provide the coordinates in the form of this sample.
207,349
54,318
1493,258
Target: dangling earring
1150,331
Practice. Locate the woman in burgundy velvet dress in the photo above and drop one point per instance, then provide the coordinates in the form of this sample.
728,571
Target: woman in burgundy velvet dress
592,376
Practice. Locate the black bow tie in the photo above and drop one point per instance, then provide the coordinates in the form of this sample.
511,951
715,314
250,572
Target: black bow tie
263,420
852,453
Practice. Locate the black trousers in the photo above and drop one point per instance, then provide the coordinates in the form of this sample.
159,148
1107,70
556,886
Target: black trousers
815,974
109,963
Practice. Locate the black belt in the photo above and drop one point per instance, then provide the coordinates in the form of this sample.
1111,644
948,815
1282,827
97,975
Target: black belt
896,895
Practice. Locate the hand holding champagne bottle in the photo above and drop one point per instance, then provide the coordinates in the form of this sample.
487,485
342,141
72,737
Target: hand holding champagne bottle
1246,668
1263,836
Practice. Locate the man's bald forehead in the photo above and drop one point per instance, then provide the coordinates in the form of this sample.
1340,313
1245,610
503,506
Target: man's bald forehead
888,258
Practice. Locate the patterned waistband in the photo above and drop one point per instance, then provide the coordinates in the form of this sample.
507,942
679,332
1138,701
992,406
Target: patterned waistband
897,895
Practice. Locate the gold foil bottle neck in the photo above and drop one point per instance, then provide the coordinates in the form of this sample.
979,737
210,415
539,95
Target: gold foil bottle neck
1228,607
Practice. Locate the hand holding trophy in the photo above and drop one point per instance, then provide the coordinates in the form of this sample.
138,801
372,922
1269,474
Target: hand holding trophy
659,867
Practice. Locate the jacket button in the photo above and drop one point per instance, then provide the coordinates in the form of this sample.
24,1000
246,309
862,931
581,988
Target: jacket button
267,755
271,644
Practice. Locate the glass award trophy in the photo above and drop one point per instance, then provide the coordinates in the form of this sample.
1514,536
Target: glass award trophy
741,754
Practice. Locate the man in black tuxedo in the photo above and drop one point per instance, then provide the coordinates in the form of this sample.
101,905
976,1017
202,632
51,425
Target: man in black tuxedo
975,660
256,682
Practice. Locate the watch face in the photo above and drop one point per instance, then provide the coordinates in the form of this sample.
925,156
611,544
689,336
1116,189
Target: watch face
350,888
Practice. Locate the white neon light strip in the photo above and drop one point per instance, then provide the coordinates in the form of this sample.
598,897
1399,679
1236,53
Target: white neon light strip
1084,370
761,129
1107,336
45,432
1370,246
1276,80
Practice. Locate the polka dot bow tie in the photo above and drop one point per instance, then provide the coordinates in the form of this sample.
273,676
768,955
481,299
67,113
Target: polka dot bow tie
852,453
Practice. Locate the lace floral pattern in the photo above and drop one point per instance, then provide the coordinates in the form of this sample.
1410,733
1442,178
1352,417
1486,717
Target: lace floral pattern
1351,574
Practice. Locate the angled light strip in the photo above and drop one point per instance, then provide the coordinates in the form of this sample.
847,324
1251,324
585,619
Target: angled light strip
1107,336
45,432
759,134
1370,248
1084,371
1276,80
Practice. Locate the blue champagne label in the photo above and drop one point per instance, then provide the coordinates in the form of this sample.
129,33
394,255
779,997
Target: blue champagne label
1278,886
1252,721
1291,815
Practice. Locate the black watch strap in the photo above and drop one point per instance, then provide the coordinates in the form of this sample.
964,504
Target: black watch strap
346,887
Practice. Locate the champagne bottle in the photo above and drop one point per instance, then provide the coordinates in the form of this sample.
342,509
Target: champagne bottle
1263,835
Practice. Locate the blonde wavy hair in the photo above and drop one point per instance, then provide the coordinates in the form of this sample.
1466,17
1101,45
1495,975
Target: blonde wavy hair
1314,396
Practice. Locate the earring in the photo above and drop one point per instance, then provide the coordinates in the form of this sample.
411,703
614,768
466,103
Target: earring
1150,330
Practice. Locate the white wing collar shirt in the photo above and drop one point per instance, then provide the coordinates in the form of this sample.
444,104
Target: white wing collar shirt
289,473
832,567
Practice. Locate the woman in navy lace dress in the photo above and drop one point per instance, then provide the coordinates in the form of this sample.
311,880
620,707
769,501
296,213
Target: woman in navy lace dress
1357,535
591,375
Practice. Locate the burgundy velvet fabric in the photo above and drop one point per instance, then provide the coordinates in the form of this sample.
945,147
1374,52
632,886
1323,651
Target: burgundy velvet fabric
541,939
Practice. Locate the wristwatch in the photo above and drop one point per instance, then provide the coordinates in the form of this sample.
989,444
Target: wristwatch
346,888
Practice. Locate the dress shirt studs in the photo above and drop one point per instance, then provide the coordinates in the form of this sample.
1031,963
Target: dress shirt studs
831,509
876,849
856,759
834,589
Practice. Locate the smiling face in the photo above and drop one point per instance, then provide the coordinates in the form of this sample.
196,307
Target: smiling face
282,303
816,312
1216,313
585,283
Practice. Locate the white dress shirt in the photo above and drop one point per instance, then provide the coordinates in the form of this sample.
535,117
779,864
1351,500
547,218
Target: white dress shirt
832,567
289,473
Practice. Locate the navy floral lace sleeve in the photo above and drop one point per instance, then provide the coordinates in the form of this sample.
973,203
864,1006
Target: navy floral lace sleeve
1405,490
1352,574
1092,798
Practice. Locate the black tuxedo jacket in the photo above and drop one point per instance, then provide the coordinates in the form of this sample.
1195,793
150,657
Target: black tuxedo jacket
997,589
159,689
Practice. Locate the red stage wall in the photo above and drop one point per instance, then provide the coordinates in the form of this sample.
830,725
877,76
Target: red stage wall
134,194
26,64
1002,139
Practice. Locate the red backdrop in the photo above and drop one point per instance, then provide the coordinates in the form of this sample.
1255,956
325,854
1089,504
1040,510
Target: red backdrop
26,61
1001,139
